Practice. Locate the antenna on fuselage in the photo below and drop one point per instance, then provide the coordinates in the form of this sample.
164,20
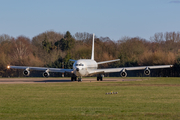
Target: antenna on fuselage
92,54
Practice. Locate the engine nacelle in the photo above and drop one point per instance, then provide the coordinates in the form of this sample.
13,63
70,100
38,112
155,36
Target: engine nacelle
46,74
147,71
123,74
26,72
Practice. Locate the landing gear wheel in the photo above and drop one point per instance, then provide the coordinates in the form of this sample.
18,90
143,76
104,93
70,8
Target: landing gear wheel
79,79
73,77
99,78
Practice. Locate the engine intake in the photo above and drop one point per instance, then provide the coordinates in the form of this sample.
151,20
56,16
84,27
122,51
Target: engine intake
147,71
123,74
46,74
26,72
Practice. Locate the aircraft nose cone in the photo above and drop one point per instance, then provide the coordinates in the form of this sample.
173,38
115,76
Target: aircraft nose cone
77,69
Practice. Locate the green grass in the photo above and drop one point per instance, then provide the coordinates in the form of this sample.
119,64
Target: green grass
151,98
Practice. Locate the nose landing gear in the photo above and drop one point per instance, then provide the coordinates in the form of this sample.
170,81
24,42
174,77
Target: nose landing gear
74,78
80,79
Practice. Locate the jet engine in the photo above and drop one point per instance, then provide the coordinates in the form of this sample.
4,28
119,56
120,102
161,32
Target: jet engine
26,72
123,73
147,71
46,74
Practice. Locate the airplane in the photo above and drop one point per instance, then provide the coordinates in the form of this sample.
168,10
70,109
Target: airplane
86,67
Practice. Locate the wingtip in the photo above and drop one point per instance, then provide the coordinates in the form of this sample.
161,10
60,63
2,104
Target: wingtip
8,67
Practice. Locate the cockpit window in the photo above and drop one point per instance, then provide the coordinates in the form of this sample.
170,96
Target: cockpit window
80,64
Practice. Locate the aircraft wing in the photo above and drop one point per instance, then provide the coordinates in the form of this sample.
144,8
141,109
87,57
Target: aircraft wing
42,69
109,70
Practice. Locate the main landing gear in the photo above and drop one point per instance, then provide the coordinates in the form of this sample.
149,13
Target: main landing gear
73,78
100,77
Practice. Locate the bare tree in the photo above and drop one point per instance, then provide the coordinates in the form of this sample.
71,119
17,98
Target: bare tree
5,37
21,49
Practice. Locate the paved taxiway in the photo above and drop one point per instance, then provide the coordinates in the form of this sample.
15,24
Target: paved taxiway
60,80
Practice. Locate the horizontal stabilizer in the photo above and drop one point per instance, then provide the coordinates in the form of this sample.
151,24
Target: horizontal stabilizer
108,61
72,60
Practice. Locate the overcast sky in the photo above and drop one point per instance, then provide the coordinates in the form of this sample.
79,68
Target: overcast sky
106,18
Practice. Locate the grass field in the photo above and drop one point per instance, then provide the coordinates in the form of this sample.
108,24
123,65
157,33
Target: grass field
155,98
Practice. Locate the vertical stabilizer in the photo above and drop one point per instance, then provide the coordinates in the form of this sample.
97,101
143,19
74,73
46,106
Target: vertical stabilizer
92,54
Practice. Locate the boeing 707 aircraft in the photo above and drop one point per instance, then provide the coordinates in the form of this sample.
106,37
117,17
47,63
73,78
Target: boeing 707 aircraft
86,67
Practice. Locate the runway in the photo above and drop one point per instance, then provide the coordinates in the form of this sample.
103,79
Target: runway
60,80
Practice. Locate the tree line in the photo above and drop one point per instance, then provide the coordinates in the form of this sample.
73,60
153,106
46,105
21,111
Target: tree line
52,49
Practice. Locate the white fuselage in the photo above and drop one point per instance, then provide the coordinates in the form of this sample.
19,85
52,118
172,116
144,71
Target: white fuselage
82,66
